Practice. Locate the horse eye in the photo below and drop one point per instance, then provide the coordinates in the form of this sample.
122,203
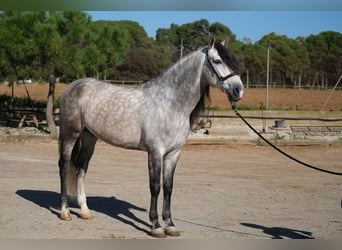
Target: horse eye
217,61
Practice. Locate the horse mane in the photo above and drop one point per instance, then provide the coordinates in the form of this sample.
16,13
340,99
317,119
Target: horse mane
203,103
205,99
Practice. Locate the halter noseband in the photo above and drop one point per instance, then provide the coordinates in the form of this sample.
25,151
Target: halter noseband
221,78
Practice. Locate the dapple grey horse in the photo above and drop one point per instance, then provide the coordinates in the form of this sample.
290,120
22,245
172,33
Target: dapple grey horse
155,117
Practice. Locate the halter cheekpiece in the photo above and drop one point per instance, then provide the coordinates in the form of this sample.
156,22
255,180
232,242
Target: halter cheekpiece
221,78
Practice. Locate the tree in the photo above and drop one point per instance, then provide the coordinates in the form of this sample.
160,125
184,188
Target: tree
92,60
221,32
49,43
143,58
34,44
143,63
107,44
192,36
252,59
289,59
325,52
136,34
111,44
17,49
73,27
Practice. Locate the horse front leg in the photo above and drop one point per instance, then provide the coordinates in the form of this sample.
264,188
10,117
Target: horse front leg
154,167
169,167
65,166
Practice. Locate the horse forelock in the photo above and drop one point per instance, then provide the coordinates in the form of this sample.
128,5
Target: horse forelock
227,57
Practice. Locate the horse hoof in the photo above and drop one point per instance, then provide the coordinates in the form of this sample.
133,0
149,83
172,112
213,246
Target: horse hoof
172,231
86,215
158,233
65,216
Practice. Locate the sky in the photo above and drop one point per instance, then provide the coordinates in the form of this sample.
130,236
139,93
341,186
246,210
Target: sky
250,24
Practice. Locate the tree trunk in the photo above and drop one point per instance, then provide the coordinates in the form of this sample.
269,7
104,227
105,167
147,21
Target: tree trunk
12,88
300,79
247,80
49,110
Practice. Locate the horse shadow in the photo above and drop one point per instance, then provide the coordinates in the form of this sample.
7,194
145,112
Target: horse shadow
111,206
281,232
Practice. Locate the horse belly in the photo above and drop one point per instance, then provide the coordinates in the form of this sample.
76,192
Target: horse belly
117,128
122,136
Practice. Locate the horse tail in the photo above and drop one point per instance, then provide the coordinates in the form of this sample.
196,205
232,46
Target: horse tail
72,173
71,182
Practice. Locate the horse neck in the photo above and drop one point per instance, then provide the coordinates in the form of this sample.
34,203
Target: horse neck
180,85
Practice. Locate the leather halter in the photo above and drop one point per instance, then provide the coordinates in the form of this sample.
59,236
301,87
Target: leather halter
221,78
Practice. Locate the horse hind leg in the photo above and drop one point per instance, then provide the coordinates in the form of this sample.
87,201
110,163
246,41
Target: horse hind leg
81,197
65,172
81,157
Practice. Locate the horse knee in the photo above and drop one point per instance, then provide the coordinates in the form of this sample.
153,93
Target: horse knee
155,188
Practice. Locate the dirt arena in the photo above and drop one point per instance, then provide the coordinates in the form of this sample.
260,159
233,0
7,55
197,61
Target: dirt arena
221,191
224,189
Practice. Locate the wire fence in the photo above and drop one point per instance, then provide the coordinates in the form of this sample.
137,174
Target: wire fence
272,86
249,85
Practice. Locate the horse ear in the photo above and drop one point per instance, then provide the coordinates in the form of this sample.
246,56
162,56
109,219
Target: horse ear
225,42
211,42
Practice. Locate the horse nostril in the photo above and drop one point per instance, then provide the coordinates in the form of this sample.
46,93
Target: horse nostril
238,92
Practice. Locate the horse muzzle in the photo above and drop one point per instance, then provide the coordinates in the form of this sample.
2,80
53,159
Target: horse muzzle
236,96
234,90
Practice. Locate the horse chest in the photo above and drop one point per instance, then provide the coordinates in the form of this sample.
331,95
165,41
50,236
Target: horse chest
166,130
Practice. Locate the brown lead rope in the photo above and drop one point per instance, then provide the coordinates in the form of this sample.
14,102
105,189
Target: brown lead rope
281,151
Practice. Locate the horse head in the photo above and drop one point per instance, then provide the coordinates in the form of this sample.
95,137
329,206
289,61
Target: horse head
224,70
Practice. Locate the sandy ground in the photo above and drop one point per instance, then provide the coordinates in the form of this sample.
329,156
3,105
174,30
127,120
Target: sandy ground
227,185
223,190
